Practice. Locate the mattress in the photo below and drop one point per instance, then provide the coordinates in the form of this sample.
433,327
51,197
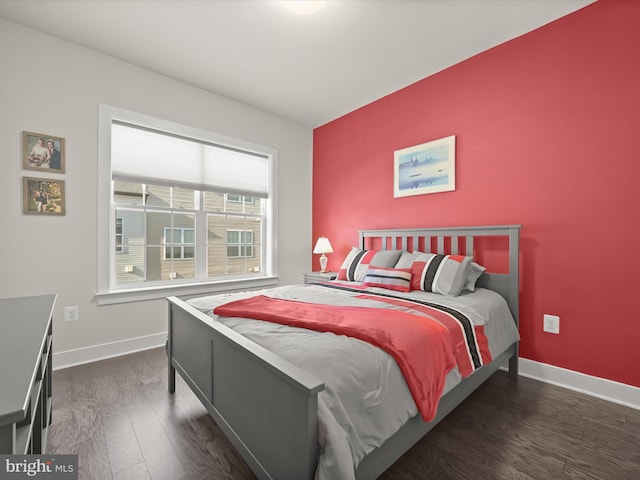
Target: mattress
366,398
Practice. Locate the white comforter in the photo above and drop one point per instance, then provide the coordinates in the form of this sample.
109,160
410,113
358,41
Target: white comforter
366,399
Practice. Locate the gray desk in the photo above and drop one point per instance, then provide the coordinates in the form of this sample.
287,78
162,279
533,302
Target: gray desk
25,373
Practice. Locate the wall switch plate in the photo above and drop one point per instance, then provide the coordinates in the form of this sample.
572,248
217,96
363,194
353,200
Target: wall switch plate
71,314
551,324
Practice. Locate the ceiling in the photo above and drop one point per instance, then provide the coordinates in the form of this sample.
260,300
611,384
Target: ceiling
310,69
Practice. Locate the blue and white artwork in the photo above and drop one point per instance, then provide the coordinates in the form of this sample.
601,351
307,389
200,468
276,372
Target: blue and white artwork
425,168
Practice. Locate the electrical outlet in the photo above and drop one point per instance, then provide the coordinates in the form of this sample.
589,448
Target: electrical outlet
551,324
71,314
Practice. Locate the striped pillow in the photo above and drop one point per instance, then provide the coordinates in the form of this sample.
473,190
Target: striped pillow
398,279
354,267
439,273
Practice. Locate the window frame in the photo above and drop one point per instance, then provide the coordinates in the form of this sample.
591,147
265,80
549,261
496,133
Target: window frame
107,291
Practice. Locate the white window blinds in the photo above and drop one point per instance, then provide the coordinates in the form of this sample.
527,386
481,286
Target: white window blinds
147,156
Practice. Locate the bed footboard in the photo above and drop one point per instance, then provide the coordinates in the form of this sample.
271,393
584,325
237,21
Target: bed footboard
267,407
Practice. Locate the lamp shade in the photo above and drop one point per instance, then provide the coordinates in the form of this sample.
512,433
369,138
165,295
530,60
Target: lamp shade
323,246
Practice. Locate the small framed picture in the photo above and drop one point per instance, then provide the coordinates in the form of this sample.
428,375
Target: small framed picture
42,152
426,168
42,196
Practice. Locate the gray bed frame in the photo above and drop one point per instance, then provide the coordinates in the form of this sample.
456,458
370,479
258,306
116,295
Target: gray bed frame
268,407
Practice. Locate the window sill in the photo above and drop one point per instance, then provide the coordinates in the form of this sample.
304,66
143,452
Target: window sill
153,293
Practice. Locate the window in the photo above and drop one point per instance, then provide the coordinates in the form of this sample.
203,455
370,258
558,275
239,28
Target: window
199,209
118,235
239,198
239,243
180,243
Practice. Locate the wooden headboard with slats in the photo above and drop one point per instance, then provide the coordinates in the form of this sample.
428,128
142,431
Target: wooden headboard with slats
458,241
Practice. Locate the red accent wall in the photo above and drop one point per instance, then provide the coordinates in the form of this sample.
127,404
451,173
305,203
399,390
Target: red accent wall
548,136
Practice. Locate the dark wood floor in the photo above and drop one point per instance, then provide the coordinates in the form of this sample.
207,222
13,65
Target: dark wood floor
118,417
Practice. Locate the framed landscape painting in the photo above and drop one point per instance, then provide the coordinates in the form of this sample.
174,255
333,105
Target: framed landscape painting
426,168
42,152
42,196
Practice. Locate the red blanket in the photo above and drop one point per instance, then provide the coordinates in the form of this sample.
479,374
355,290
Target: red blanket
422,348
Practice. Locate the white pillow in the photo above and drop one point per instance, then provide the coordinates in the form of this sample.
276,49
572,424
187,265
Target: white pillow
474,271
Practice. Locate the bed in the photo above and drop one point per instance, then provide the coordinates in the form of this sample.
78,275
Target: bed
268,406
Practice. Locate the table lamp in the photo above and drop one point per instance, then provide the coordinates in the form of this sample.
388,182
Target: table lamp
323,246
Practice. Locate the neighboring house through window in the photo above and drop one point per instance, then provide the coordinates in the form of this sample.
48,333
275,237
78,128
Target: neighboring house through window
199,209
119,235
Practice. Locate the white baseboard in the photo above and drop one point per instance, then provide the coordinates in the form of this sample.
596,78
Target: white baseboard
609,390
79,356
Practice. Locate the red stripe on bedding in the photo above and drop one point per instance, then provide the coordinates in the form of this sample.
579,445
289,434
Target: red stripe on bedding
483,344
463,355
402,335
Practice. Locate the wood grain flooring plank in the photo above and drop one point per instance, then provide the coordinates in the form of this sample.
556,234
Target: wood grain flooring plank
157,450
583,414
188,445
155,357
111,395
122,445
219,447
81,373
514,423
602,457
61,396
614,440
594,471
93,460
479,460
62,438
109,366
125,372
86,418
632,417
62,379
141,368
424,461
519,451
135,472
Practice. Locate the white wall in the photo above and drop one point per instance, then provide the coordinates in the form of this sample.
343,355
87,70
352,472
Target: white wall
54,87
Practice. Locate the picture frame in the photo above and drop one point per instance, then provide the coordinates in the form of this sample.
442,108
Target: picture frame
43,196
43,152
426,168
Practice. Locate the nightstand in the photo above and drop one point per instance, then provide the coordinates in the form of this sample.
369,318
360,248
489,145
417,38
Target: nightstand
317,277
